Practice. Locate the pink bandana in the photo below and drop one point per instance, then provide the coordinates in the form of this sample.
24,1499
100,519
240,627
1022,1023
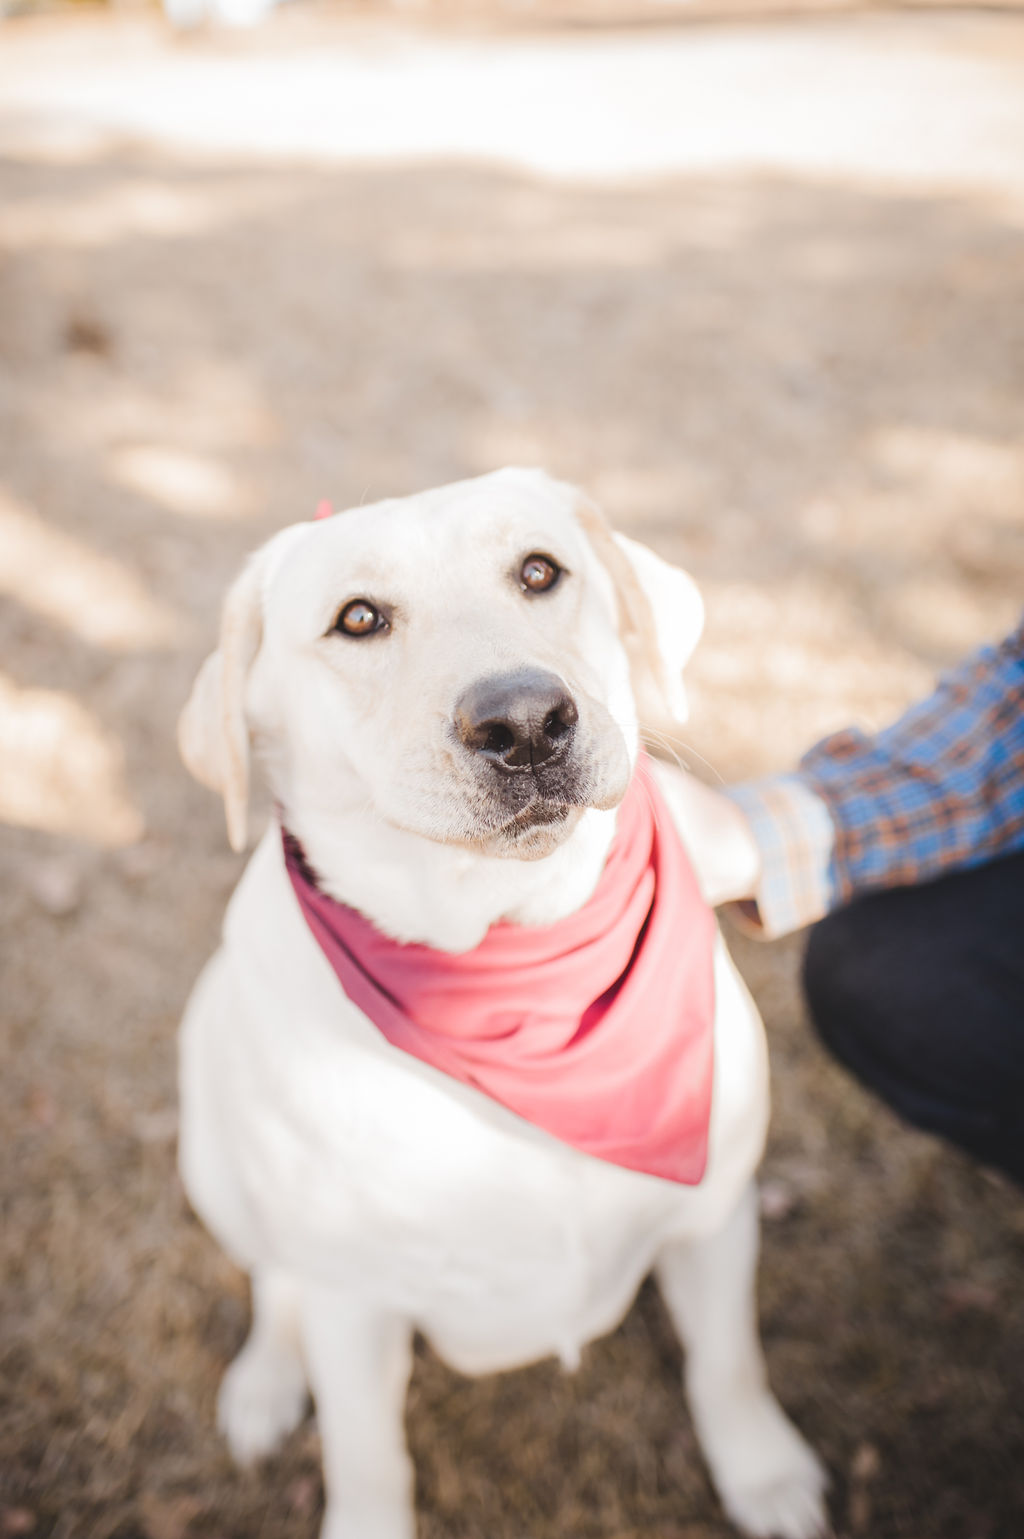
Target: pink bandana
597,1028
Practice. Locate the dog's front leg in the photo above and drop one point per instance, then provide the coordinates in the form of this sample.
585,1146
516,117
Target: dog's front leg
770,1482
263,1395
359,1358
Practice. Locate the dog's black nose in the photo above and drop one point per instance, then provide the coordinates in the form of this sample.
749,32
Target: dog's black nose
517,720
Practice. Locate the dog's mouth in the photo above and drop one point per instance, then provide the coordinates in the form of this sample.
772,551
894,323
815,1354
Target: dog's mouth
527,815
539,797
536,829
539,814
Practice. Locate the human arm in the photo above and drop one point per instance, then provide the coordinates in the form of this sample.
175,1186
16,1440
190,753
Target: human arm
941,788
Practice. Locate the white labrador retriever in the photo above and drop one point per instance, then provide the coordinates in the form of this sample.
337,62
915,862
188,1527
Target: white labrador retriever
368,1194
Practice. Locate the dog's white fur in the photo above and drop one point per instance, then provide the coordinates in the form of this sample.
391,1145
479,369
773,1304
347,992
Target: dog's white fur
367,1194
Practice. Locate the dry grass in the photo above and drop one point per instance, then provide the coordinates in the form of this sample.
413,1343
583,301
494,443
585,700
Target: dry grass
809,393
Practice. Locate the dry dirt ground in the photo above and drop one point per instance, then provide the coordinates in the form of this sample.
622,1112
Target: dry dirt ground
780,333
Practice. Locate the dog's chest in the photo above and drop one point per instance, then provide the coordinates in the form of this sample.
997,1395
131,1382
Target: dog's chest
310,1143
365,1169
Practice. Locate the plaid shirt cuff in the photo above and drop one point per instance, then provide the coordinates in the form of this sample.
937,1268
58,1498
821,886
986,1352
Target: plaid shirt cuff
795,835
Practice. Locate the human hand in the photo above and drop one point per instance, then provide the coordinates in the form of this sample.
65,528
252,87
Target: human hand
718,838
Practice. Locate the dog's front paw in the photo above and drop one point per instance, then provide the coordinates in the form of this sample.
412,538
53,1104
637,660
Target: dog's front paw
347,1520
262,1398
773,1486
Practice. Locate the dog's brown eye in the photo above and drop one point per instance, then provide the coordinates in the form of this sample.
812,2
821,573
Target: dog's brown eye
539,573
360,618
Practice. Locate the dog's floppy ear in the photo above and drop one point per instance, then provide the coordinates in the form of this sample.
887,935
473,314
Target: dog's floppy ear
213,731
661,616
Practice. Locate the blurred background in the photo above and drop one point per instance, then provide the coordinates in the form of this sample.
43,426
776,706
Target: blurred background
750,272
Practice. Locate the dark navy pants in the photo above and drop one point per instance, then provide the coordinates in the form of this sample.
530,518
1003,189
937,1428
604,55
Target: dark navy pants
920,992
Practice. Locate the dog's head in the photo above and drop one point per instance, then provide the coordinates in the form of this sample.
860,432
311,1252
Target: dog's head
469,664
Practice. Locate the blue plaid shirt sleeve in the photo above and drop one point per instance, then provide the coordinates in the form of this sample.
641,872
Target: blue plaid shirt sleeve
942,788
794,835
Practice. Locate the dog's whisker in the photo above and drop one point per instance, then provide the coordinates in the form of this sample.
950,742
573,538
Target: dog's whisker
673,747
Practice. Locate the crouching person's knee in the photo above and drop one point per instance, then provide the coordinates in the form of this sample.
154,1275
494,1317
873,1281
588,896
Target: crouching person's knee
874,987
851,985
917,991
